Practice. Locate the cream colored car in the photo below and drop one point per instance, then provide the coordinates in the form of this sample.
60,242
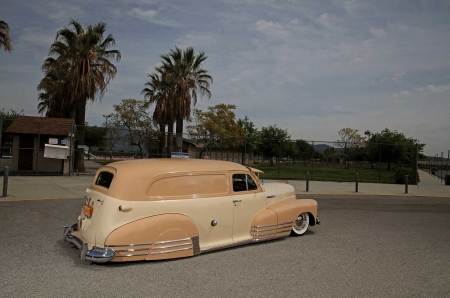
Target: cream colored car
157,209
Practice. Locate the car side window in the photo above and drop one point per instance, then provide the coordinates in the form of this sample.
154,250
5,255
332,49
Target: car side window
243,182
251,184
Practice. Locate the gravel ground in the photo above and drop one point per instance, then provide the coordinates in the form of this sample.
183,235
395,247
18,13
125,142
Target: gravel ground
367,246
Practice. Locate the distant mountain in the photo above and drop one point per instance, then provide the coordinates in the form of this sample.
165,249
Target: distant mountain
322,147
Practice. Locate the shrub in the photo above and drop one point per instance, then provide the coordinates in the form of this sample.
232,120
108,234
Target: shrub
400,174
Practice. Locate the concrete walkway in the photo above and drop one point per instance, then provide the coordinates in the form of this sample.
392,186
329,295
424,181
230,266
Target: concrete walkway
60,187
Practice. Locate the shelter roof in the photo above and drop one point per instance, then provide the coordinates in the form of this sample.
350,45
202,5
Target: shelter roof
40,125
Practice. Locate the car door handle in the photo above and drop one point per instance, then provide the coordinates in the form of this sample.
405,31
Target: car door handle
237,201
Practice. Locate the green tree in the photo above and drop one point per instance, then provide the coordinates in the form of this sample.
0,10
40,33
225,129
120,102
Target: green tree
305,150
393,147
329,153
132,114
349,140
87,54
216,127
5,40
183,71
94,136
274,141
251,134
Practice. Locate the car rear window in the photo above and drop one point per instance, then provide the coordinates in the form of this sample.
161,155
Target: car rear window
104,179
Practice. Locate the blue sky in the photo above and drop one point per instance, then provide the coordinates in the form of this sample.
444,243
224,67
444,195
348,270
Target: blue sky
312,67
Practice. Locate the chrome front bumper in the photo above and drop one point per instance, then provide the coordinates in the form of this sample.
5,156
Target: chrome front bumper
95,255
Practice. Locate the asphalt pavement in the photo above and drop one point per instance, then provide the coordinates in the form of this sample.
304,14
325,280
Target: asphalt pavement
60,187
366,246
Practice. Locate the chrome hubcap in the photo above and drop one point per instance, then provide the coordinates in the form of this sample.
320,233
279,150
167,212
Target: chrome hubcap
300,222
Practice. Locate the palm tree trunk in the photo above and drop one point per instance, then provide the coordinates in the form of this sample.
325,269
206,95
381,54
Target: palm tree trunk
162,139
179,136
80,117
170,138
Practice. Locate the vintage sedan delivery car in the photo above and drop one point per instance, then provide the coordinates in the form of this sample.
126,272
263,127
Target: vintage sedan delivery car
172,208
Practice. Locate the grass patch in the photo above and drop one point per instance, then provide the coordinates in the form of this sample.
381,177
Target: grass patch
327,172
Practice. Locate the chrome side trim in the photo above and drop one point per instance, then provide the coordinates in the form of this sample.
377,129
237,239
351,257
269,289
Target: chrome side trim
266,230
226,246
170,246
169,251
132,249
286,223
268,234
132,244
264,226
132,255
170,241
285,231
269,238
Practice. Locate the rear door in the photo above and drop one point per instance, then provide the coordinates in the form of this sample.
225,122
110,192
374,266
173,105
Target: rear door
247,199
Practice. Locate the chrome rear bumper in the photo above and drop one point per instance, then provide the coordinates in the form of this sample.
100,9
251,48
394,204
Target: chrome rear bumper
95,255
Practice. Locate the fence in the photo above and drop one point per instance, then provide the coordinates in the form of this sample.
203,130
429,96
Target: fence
279,159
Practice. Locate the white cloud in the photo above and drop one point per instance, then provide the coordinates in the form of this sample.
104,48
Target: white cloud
326,21
243,75
147,14
268,27
378,32
405,92
439,88
152,16
38,36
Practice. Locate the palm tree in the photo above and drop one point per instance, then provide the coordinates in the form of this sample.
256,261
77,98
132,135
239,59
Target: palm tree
182,70
157,92
90,69
53,99
5,40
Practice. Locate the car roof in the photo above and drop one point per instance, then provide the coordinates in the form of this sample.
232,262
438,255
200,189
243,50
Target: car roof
159,166
132,177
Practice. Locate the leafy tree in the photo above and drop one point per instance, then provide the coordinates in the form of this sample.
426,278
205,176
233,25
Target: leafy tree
7,118
5,40
216,127
392,147
95,136
132,114
251,134
349,140
329,153
273,140
305,150
86,54
183,71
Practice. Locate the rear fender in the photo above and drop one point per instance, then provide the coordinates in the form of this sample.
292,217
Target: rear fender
157,237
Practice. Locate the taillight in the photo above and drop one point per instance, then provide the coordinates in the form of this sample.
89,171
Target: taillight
88,210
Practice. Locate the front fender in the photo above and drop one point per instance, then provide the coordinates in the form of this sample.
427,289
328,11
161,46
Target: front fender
288,210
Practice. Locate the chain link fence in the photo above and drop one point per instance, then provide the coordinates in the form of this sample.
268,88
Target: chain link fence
32,148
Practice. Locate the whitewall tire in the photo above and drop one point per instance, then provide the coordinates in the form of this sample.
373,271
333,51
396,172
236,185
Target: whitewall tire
301,225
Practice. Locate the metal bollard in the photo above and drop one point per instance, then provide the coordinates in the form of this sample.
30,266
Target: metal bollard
406,183
5,181
357,180
307,181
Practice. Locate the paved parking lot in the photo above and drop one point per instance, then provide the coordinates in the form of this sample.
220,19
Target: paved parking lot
367,246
